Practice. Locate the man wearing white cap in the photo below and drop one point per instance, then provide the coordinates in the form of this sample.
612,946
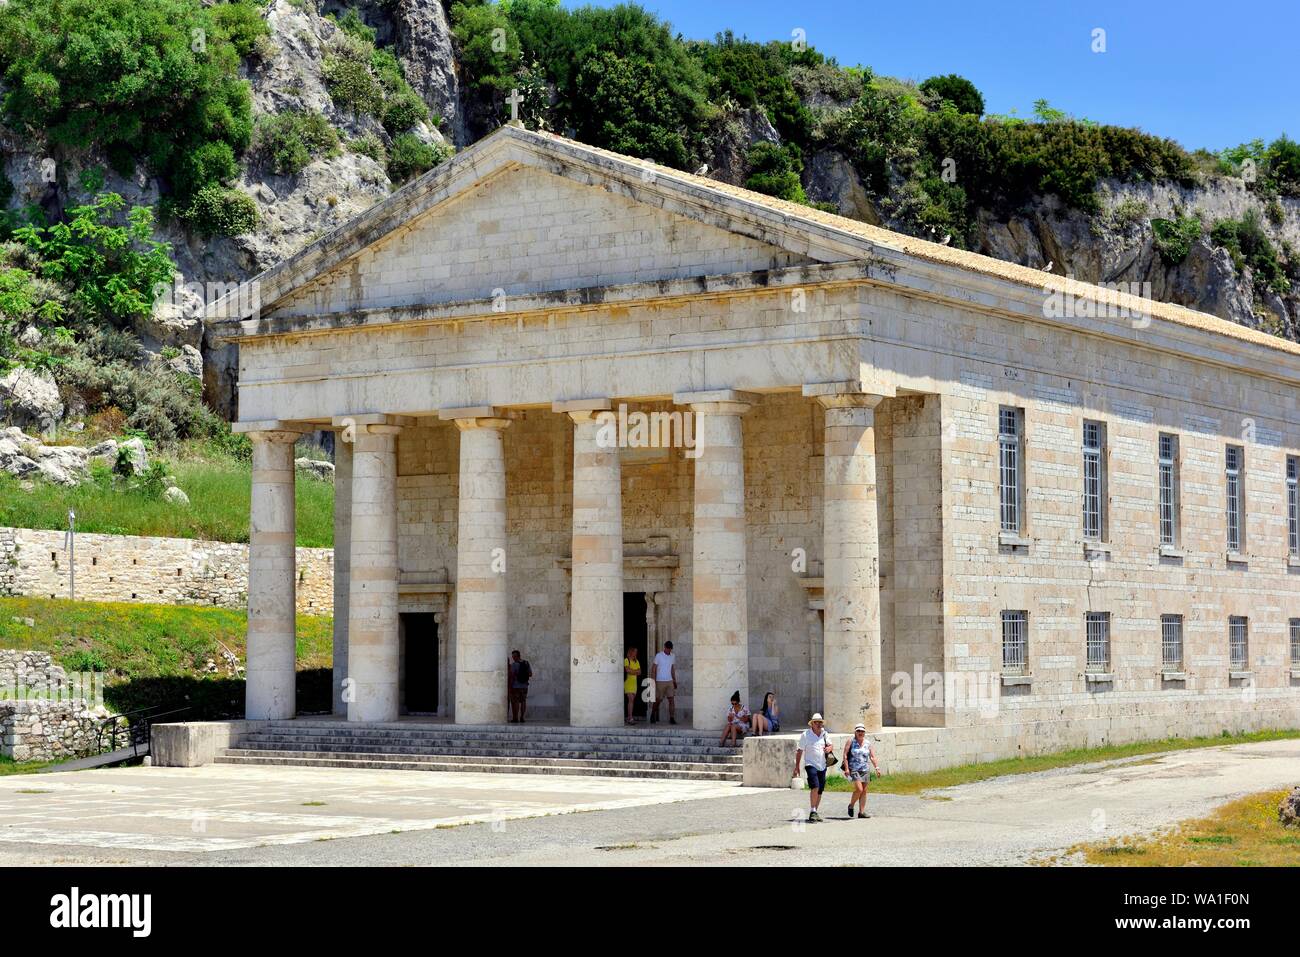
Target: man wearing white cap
859,762
813,747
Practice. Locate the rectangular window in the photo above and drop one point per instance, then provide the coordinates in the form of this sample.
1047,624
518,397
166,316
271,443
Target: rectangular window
1010,469
1098,623
1234,467
1168,489
1293,505
1295,642
1015,642
1171,642
1238,648
1094,480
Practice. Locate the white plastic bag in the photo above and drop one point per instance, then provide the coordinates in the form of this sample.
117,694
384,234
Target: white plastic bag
797,783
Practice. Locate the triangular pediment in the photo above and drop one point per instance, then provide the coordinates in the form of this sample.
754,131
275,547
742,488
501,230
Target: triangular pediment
527,230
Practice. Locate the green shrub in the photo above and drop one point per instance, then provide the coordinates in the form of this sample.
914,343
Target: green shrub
1173,238
1249,246
369,144
218,211
409,157
156,81
1283,159
352,24
242,22
775,170
957,90
402,111
754,75
291,140
351,84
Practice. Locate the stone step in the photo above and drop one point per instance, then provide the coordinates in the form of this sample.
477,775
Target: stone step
469,746
578,753
525,732
417,763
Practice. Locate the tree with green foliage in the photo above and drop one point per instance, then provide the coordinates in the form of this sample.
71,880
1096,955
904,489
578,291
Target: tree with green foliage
957,90
1249,246
775,170
157,82
111,263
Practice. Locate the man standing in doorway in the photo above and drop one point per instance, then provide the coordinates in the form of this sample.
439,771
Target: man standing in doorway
665,683
521,672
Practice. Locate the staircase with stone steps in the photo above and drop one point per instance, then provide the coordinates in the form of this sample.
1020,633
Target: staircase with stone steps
641,752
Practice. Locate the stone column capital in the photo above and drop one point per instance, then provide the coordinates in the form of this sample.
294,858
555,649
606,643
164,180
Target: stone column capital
717,401
369,423
480,417
284,436
843,395
582,410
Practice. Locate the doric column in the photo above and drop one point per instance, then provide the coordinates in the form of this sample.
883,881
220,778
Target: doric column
372,655
851,637
719,583
596,607
342,562
272,579
482,621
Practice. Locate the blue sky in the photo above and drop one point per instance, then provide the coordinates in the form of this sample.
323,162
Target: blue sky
1208,74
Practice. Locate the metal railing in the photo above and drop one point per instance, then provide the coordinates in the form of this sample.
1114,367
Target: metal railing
130,730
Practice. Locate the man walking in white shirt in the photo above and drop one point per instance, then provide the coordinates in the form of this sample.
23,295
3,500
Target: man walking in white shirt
814,745
665,664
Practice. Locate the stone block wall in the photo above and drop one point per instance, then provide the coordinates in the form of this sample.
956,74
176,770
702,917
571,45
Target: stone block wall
34,562
41,719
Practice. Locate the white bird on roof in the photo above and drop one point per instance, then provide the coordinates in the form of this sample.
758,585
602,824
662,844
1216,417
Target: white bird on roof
702,170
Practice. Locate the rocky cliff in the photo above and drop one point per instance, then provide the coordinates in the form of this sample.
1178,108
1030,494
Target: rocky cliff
287,72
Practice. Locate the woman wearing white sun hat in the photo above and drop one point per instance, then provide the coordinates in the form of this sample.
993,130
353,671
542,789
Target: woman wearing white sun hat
859,762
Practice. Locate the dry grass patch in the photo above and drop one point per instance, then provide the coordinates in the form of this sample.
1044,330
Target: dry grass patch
1244,833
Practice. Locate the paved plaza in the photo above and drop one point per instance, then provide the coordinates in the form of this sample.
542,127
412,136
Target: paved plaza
225,814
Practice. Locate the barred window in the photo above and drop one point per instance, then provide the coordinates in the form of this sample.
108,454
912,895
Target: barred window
1094,480
1015,642
1010,470
1168,489
1295,642
1234,467
1098,623
1171,642
1293,505
1238,649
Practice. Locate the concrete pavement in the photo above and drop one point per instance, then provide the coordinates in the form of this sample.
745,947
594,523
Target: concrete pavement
237,815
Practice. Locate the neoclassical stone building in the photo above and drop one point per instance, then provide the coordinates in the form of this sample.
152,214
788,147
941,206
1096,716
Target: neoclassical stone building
912,485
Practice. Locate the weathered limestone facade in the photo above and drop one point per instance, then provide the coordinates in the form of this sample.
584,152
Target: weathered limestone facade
167,571
831,524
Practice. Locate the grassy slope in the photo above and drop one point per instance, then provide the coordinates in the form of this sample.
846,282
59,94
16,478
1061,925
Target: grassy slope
1244,833
153,654
218,488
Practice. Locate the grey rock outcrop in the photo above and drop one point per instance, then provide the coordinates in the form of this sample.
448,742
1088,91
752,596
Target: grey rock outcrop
315,468
424,45
25,457
30,399
1288,812
832,179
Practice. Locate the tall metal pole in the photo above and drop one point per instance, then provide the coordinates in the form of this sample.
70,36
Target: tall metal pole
72,555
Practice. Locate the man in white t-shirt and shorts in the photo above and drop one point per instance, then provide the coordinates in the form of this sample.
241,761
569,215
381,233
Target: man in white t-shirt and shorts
813,746
665,665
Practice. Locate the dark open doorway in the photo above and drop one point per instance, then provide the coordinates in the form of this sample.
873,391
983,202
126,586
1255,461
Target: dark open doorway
419,642
634,636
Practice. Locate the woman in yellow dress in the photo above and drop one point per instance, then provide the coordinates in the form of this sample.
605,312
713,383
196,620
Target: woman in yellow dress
631,681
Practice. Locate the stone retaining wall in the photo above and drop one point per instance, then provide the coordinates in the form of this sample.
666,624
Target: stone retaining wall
39,720
34,562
